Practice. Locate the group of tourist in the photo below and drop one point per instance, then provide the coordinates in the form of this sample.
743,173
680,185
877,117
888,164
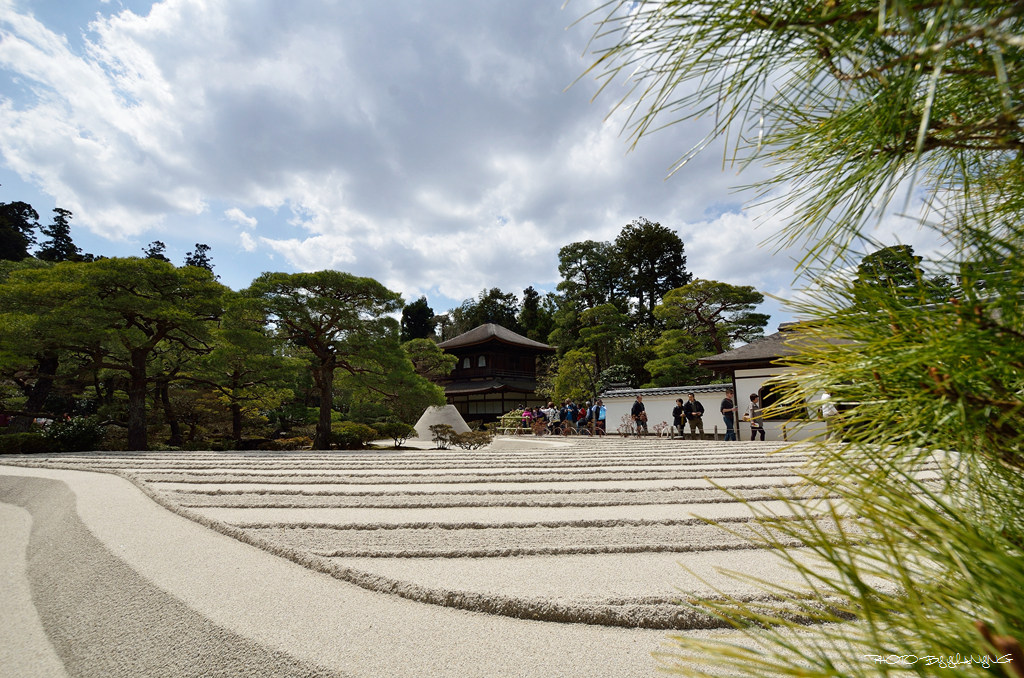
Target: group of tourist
691,413
588,418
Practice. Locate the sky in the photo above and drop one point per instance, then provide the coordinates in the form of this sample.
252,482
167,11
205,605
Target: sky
439,146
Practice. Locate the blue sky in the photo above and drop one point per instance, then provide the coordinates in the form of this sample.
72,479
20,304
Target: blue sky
432,145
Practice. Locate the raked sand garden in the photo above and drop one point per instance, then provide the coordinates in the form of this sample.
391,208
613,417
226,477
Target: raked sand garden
530,557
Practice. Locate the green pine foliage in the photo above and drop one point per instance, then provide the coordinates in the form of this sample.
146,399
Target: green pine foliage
918,496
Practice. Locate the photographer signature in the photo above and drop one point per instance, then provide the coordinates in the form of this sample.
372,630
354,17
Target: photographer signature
947,662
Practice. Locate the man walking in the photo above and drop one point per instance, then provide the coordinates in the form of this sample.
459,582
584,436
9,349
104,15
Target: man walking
728,410
694,412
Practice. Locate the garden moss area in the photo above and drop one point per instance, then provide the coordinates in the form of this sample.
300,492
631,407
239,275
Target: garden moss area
528,557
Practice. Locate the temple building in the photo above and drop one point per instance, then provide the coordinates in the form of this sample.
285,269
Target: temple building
496,372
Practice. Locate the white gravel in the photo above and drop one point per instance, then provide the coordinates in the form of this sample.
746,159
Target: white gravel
454,529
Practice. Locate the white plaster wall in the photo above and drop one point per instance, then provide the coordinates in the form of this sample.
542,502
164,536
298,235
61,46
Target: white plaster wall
750,381
659,409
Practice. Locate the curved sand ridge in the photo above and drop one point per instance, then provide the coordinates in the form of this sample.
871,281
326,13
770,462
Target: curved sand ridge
592,531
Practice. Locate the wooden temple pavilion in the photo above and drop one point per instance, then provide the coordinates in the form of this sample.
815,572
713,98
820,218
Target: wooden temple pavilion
496,372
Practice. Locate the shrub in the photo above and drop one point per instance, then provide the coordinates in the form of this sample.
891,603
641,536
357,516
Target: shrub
77,434
348,435
397,431
25,443
284,444
472,440
250,443
442,435
512,419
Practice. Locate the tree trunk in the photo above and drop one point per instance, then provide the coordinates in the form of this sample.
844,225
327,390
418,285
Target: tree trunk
137,438
169,414
324,377
38,392
236,421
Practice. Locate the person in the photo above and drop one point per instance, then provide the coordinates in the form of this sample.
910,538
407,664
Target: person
755,417
677,418
540,421
582,416
551,414
639,415
571,410
728,409
694,411
601,417
527,417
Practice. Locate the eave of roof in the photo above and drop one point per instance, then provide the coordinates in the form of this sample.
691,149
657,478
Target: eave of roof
491,331
763,351
667,390
489,386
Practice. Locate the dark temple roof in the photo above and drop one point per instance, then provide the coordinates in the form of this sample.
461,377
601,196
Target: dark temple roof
485,333
762,351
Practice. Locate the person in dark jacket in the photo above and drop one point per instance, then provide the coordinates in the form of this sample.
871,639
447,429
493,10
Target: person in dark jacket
639,415
677,418
694,412
728,409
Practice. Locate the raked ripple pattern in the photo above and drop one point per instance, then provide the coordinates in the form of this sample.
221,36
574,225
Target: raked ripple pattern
583,532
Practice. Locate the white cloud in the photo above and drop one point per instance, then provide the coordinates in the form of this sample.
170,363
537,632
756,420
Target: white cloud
431,146
247,242
241,218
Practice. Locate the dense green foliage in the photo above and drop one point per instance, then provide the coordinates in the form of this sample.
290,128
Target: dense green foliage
606,306
135,346
26,443
76,434
856,103
338,322
396,430
349,435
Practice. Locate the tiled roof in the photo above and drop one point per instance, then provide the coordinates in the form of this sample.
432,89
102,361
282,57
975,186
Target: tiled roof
761,350
779,345
484,333
667,390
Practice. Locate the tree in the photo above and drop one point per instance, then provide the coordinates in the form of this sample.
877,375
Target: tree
339,319
18,222
199,257
59,246
590,273
418,320
602,330
651,262
719,312
118,312
576,377
28,357
897,270
853,103
245,367
389,387
536,315
155,250
429,361
491,306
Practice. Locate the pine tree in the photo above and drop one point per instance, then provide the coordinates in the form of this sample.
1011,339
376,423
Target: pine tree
855,103
59,246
